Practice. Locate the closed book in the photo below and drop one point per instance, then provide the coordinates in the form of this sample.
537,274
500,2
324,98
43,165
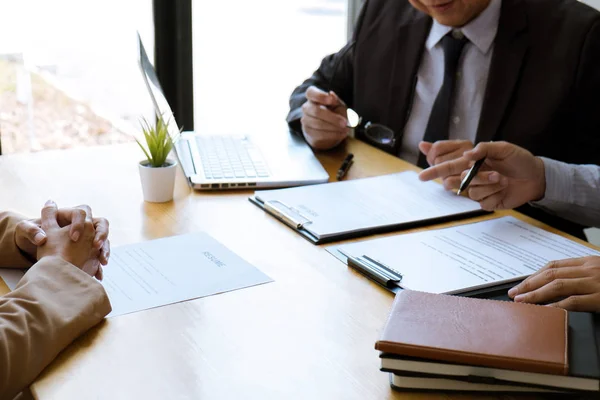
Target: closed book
478,332
420,383
584,367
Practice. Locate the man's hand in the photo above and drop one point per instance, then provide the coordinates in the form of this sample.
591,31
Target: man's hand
442,152
59,242
573,284
324,119
510,177
515,176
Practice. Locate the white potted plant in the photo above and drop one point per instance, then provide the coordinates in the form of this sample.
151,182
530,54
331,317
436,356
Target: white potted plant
156,171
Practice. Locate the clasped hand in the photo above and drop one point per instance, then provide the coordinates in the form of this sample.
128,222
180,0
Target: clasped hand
70,233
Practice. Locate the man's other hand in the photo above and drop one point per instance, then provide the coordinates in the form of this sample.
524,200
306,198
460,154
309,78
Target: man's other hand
324,119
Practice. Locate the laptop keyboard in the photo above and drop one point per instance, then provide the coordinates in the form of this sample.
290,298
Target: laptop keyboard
230,157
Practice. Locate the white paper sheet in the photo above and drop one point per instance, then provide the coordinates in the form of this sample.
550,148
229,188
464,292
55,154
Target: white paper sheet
174,269
468,257
11,277
361,204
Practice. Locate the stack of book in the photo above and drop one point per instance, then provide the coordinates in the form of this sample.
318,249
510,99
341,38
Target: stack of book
441,342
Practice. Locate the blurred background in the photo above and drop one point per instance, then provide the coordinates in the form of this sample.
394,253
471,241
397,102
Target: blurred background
69,74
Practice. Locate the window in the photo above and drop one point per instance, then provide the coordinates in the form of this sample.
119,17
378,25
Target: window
250,55
69,74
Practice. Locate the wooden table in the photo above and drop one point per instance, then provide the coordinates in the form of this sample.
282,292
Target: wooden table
308,335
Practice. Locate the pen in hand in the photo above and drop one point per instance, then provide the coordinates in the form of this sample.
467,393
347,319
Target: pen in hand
470,175
345,166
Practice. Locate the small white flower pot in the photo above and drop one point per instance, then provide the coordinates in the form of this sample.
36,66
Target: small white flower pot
158,184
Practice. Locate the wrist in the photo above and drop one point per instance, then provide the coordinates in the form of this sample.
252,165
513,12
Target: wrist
539,180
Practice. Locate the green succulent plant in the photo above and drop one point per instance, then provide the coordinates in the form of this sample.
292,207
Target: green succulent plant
158,142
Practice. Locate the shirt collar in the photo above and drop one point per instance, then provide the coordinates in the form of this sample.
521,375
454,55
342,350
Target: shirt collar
481,31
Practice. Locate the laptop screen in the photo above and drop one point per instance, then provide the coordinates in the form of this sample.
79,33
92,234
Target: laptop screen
161,104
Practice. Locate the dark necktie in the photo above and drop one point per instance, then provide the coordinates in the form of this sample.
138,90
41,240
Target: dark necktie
438,125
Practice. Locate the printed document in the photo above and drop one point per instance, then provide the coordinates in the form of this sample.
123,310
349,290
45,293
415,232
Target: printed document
467,257
350,206
11,276
174,269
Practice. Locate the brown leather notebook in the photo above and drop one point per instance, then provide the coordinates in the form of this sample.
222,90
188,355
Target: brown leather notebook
488,333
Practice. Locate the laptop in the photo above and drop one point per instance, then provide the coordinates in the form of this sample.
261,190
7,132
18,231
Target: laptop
215,162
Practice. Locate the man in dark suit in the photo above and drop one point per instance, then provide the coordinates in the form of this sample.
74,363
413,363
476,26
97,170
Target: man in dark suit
445,74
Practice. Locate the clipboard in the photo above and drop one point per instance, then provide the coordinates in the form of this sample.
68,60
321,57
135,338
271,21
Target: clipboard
290,217
298,222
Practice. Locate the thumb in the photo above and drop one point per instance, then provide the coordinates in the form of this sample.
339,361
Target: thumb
335,99
318,96
49,215
425,147
33,233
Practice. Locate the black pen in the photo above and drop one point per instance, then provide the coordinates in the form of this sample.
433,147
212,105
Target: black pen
470,175
345,166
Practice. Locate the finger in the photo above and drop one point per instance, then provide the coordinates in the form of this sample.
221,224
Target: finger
564,263
493,150
483,178
588,303
324,114
49,215
448,157
88,211
336,99
445,147
556,289
65,215
100,273
316,129
448,168
105,253
451,182
319,96
493,202
548,276
101,227
479,193
78,219
425,147
32,232
526,285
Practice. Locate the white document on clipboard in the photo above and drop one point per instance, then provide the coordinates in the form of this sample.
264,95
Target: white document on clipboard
364,205
462,258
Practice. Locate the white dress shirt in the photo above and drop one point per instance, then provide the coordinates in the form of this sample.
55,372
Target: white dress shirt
572,192
470,86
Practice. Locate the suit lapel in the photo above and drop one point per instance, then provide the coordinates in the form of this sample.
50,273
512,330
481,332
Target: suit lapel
411,38
510,48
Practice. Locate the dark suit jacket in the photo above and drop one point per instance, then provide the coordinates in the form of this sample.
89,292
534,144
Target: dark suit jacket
543,90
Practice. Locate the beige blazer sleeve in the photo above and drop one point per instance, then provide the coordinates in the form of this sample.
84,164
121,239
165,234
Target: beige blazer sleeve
10,255
52,305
